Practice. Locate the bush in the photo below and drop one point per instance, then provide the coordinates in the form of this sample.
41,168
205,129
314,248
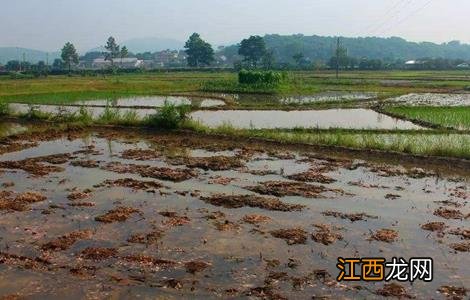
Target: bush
269,78
169,116
4,108
18,75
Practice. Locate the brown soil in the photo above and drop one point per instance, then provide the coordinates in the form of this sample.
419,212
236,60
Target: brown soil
221,180
453,292
213,163
284,188
434,226
394,290
255,219
119,214
464,233
31,166
176,175
98,253
261,172
78,196
196,266
35,263
66,241
385,235
352,217
226,225
149,261
85,163
312,176
140,154
461,247
292,236
132,183
174,219
149,238
238,201
325,235
389,171
447,213
82,204
20,203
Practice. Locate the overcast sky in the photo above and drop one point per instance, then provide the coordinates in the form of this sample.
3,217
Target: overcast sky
47,24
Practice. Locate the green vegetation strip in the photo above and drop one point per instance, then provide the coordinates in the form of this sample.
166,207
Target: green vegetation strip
454,117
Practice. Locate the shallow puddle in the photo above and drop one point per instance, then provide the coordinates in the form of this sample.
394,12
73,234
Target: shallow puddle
332,118
430,99
126,214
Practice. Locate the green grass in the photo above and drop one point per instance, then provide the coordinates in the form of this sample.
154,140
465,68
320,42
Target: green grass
455,117
433,143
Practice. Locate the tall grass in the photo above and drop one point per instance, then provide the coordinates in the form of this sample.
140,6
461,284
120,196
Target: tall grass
456,117
169,116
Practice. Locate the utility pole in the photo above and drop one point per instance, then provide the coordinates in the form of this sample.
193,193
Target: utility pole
337,58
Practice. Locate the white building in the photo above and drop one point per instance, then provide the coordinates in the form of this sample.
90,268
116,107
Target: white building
123,63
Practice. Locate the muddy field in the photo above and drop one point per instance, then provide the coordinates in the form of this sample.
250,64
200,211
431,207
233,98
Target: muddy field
124,214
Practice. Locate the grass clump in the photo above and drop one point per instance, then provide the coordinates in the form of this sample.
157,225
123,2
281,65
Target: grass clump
169,116
457,117
4,109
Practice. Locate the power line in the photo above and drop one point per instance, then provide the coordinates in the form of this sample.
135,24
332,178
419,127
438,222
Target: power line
392,15
387,13
413,13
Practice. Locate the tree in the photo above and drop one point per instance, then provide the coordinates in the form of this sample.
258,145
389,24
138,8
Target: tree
112,50
253,50
13,65
298,58
124,53
58,64
200,53
69,55
268,60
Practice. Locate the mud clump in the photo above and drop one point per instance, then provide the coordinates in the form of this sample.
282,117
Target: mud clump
464,233
352,217
434,226
98,253
221,180
132,183
213,163
453,292
85,163
8,184
392,196
36,263
119,214
149,261
66,241
226,225
78,196
447,213
238,201
461,247
292,236
196,266
175,175
20,202
147,239
284,188
312,176
325,235
255,219
140,154
385,235
82,204
31,166
174,219
394,290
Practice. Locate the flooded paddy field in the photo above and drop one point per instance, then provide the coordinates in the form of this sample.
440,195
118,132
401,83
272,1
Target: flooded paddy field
432,99
154,101
109,213
331,118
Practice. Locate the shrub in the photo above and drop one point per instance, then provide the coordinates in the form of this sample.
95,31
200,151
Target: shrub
169,116
4,108
269,78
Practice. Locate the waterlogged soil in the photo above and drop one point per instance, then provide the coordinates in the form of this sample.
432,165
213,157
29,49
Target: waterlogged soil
432,99
154,101
126,214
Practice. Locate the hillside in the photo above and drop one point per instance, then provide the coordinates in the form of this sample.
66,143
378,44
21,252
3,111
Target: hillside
31,55
322,48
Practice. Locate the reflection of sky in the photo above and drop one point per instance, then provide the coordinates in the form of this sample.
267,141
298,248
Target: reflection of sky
30,23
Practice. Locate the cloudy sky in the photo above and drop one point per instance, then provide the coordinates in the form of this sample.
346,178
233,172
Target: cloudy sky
47,24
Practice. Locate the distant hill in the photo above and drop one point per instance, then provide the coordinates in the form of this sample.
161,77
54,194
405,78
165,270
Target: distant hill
322,48
31,55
